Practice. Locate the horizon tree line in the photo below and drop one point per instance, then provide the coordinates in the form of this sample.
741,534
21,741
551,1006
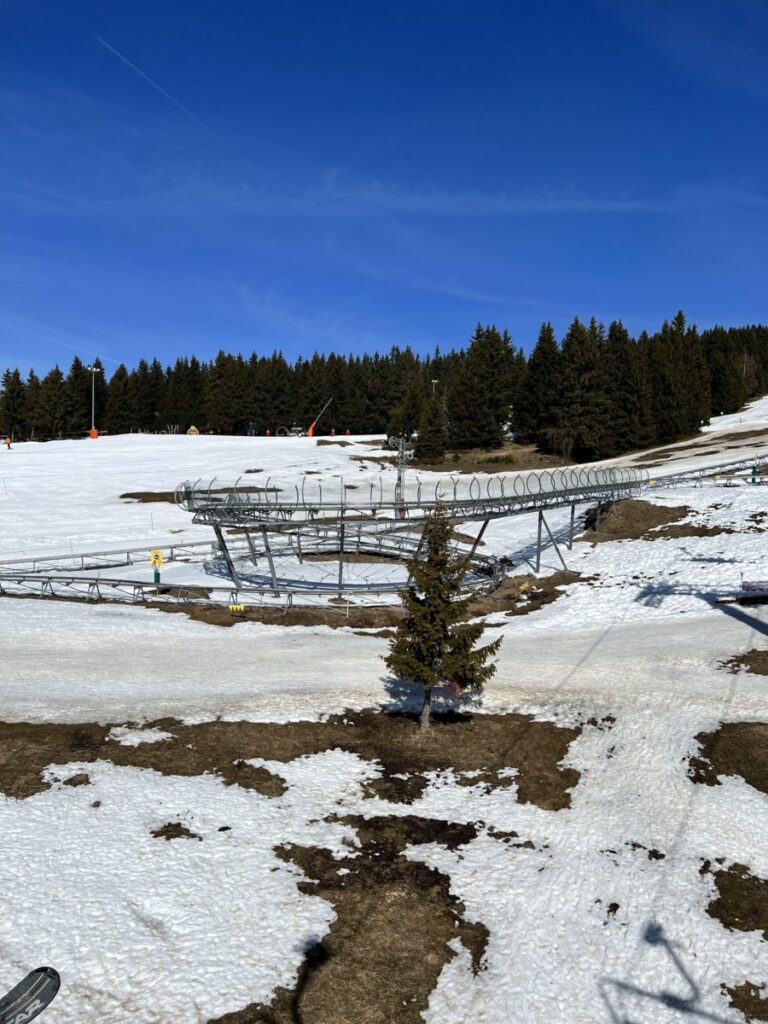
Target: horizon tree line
593,394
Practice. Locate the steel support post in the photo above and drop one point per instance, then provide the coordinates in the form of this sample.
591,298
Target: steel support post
479,537
271,561
341,555
416,557
538,542
554,542
298,547
570,533
251,546
225,551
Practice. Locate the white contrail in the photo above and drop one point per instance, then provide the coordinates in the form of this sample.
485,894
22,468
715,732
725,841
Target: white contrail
146,78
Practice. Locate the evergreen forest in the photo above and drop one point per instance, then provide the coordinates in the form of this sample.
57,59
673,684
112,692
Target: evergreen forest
591,394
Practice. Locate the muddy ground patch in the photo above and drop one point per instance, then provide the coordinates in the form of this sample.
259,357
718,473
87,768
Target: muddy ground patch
395,918
741,903
634,519
460,743
749,999
755,661
736,748
396,921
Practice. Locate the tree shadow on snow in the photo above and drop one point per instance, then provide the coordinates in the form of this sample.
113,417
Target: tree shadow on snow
624,1001
407,698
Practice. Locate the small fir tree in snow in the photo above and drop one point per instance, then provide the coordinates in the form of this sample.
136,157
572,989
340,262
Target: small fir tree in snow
429,647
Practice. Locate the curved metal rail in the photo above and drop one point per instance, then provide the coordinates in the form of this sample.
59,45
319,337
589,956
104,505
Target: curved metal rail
383,505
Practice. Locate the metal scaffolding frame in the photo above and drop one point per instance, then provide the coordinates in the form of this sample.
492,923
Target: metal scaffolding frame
388,516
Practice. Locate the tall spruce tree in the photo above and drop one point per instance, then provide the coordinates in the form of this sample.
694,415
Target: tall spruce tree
53,403
543,387
481,396
12,404
429,647
430,441
119,415
623,391
78,384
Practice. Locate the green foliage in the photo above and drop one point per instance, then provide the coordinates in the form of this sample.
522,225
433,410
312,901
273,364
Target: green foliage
430,442
12,404
593,395
429,647
481,395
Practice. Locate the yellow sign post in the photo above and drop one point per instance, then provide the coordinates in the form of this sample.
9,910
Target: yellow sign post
156,561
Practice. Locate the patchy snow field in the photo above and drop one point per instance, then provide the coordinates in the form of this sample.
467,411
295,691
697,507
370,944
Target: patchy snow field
148,930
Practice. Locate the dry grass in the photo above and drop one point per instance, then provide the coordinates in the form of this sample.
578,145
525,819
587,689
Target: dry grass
395,917
749,999
634,519
510,458
462,743
755,661
389,942
736,748
742,900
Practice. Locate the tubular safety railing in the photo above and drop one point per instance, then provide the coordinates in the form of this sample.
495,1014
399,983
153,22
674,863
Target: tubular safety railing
274,503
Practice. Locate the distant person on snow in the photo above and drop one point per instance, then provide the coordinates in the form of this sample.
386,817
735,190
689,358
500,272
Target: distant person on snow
8,443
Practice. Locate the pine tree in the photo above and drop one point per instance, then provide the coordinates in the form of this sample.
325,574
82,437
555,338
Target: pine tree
119,416
535,418
32,405
579,412
429,647
430,442
623,391
78,384
12,404
53,403
481,396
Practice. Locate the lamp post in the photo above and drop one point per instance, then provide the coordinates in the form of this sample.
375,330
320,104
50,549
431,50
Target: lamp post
434,384
93,370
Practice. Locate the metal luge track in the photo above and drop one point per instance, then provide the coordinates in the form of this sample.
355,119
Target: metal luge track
266,534
382,505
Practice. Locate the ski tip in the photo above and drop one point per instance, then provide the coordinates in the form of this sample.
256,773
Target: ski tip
51,973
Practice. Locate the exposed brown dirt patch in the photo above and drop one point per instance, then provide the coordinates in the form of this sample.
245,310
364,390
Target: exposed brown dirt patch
736,748
749,999
742,900
349,556
520,595
486,743
395,918
357,617
148,497
635,519
510,458
755,661
26,749
697,443
174,830
168,496
326,441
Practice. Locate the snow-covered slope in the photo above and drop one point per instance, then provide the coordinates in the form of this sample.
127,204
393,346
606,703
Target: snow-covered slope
89,890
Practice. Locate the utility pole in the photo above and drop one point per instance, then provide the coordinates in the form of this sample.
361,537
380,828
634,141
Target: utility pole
93,370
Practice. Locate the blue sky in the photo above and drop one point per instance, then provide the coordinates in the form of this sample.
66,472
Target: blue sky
179,177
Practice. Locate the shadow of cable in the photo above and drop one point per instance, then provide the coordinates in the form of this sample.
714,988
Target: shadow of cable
615,994
654,595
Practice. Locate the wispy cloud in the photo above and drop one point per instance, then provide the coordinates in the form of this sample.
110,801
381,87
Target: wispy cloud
23,335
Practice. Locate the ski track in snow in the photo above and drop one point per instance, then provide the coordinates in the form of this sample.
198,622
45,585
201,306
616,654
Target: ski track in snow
91,891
